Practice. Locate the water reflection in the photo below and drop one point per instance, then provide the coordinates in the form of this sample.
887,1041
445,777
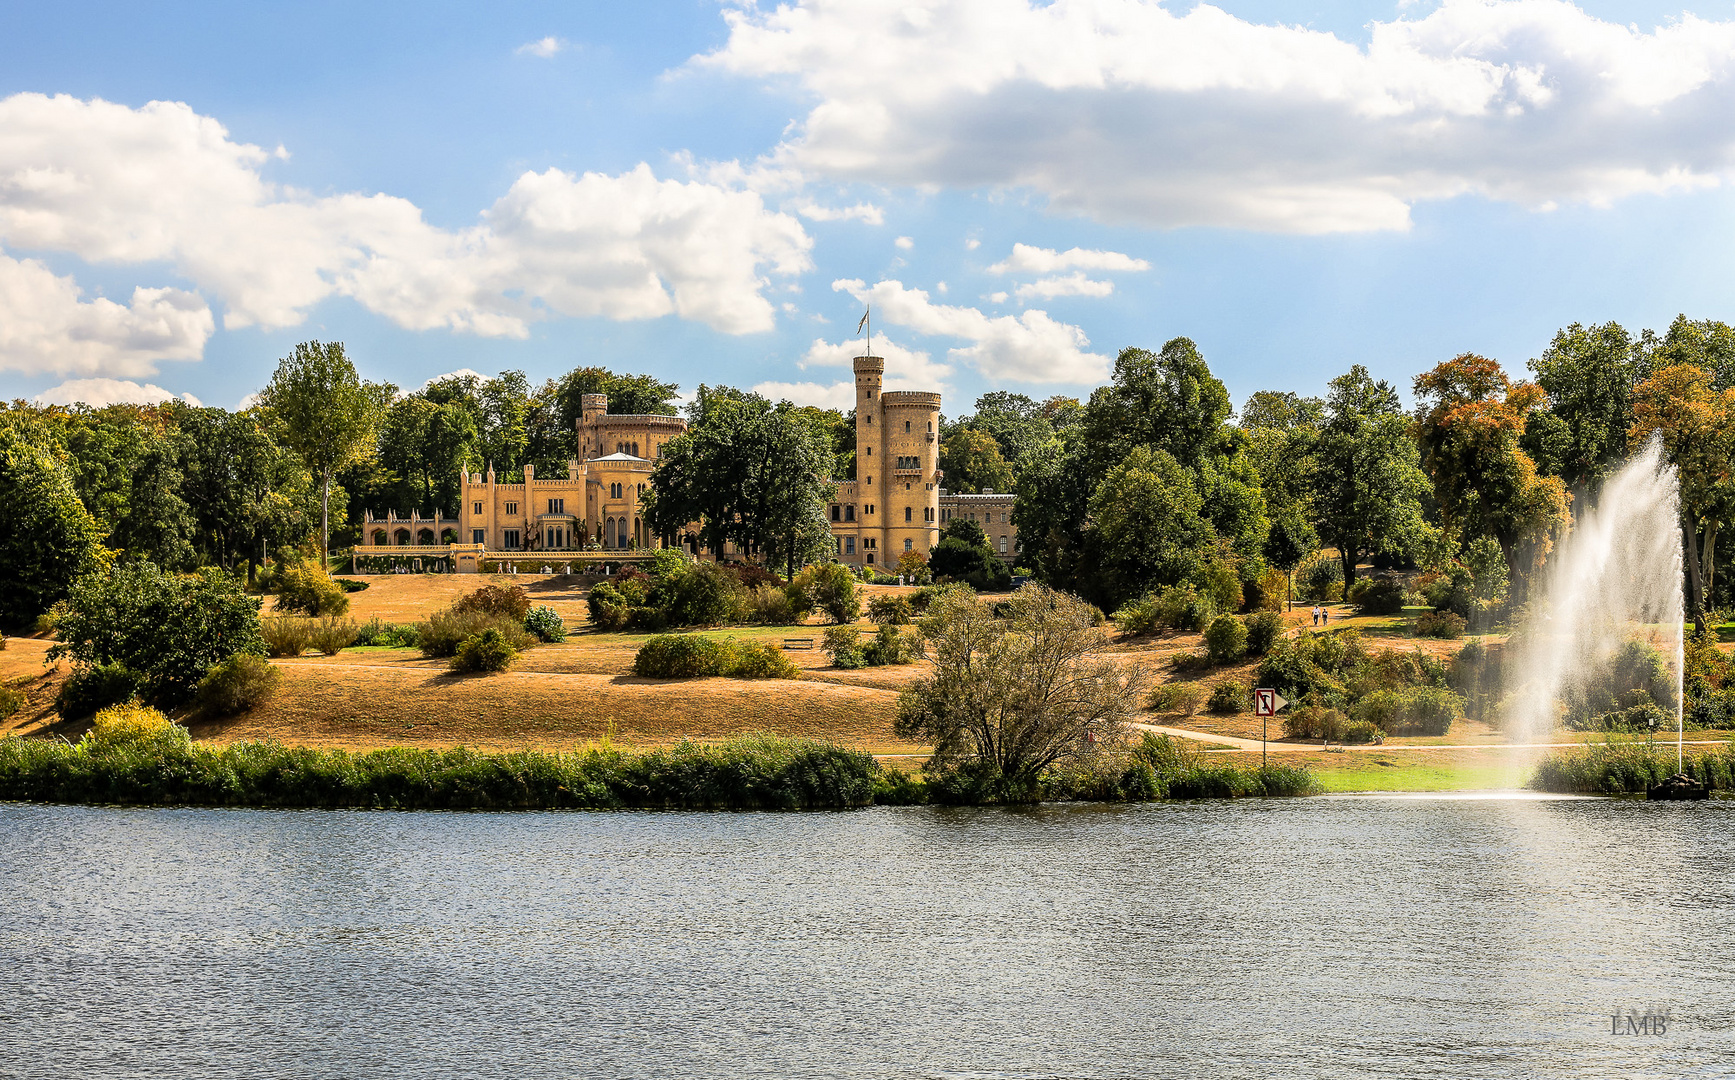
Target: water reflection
1479,936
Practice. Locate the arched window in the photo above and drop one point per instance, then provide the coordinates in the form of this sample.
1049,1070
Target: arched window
906,427
907,512
909,545
1002,545
380,538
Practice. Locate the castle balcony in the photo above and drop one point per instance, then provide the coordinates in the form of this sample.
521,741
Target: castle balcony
931,436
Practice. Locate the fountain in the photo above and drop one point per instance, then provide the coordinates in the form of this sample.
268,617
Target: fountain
1614,580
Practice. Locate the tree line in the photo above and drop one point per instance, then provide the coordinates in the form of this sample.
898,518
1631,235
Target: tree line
1154,481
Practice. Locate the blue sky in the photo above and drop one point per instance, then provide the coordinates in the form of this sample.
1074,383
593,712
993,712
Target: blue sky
710,193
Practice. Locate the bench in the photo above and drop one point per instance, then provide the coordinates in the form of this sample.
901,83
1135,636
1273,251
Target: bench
790,643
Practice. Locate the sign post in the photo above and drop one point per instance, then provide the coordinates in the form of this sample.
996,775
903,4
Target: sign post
1266,702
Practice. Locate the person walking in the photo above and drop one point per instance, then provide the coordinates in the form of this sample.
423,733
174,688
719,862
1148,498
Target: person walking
1324,615
1316,614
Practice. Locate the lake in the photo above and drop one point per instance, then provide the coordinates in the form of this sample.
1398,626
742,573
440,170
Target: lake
1335,936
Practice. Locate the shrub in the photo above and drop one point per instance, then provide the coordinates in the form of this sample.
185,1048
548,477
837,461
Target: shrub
705,595
831,588
387,635
350,585
1229,697
1317,722
545,623
332,637
1187,660
441,635
685,656
306,588
1414,710
1176,697
236,685
1439,624
1226,639
1137,618
751,576
506,601
843,645
887,609
11,700
1628,769
286,635
1321,579
1273,590
609,609
167,629
1263,630
123,725
769,605
486,651
1382,595
89,690
1186,608
891,646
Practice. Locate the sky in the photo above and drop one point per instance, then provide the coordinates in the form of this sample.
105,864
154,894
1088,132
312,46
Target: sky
714,192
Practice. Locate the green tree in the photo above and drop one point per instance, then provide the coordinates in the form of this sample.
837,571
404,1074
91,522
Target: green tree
169,630
328,416
49,540
963,555
1367,484
1011,696
1167,400
1696,423
1588,374
1149,528
972,462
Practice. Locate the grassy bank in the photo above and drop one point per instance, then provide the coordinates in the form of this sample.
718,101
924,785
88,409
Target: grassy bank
146,764
1629,768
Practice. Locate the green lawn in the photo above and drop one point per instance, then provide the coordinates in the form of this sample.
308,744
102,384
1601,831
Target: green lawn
1368,774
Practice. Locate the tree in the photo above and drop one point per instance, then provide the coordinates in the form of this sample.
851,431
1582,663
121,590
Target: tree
1148,527
1167,400
1697,426
1470,419
49,540
1281,411
972,462
1588,374
429,443
748,471
1011,696
168,630
328,416
963,555
1367,485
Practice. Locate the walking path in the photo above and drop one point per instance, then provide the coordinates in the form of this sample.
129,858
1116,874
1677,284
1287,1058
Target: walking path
1233,742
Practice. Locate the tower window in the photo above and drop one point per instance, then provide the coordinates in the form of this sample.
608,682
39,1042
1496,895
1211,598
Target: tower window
477,509
906,426
909,545
906,513
849,512
512,508
835,513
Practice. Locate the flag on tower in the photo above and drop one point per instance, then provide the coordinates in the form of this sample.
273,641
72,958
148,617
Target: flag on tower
864,319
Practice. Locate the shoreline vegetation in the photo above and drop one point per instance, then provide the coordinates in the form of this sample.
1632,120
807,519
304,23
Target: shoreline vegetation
135,756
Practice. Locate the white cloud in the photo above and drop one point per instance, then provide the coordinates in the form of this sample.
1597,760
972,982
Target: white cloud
972,244
461,373
866,213
45,326
116,185
906,369
544,47
997,298
839,396
1128,111
100,392
1073,284
1034,260
1030,347
904,243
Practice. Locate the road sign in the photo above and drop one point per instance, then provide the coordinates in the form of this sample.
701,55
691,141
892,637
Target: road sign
1267,701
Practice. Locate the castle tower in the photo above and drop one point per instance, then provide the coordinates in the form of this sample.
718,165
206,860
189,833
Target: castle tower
897,465
592,407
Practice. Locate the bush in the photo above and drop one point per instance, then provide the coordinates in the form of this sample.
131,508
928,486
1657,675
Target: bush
236,685
332,637
1229,697
1414,710
487,651
90,690
1321,579
1439,624
609,607
686,656
1317,722
891,646
1137,618
843,645
123,725
1188,660
387,635
1263,630
887,609
350,585
441,635
11,700
286,635
1176,697
505,601
770,605
1226,639
545,623
1382,595
306,588
167,629
830,588
706,595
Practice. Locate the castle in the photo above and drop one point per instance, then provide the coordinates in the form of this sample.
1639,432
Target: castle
894,505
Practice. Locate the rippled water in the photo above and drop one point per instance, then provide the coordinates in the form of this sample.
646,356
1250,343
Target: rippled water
1318,937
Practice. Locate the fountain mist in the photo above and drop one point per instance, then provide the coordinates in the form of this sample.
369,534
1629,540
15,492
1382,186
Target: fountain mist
1615,577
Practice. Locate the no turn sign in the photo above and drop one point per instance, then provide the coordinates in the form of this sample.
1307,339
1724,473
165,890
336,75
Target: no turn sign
1267,701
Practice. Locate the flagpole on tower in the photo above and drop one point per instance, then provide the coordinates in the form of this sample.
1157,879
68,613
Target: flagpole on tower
867,322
